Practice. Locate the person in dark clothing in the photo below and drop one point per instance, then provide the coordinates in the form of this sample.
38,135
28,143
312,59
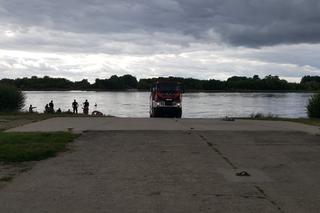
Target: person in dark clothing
75,106
59,111
31,108
51,107
46,109
86,107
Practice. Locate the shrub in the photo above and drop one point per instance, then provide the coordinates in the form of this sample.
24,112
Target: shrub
263,116
313,107
11,99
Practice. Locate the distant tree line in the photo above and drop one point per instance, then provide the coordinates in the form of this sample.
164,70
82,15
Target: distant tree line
129,82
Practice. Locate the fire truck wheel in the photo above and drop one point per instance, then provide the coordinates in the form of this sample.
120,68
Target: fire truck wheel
154,113
179,113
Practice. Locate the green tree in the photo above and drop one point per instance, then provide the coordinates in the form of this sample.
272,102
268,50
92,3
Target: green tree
129,81
11,98
313,107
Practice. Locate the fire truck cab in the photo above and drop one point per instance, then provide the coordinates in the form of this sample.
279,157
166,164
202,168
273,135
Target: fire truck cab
166,99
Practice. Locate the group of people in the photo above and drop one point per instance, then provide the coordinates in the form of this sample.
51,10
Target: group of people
49,108
85,108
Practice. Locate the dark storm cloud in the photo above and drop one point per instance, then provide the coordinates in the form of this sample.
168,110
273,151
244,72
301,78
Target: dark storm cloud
239,22
270,22
191,38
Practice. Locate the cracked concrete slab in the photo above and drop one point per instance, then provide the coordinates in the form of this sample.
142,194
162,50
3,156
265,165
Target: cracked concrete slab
173,171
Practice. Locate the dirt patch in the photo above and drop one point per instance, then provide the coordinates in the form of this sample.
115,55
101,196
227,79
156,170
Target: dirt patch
9,171
7,124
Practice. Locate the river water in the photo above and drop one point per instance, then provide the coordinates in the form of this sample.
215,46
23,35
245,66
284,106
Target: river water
195,105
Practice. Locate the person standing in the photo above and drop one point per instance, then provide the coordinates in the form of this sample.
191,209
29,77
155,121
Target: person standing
75,106
51,107
86,107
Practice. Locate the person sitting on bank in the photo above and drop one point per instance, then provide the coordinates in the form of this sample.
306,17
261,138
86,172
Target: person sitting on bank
75,106
46,109
59,111
51,107
31,108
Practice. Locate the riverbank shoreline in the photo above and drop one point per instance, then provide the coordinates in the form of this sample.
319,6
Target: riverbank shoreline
187,91
16,120
83,124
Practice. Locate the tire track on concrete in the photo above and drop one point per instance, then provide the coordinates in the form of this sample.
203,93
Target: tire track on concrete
229,162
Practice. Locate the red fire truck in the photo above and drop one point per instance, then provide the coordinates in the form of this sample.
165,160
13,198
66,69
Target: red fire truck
166,99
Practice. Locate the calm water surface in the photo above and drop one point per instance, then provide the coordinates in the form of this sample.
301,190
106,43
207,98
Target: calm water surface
195,105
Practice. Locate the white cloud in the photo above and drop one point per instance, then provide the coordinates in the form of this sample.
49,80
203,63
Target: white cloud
203,64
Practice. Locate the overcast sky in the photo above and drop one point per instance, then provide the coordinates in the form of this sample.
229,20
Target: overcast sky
203,39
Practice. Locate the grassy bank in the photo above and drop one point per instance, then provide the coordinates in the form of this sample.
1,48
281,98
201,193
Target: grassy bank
19,151
313,122
308,121
20,147
11,120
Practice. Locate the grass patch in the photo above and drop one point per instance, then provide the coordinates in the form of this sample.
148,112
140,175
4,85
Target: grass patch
19,147
32,116
313,122
6,178
271,117
11,120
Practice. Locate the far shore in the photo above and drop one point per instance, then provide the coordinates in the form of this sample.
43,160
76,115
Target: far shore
187,91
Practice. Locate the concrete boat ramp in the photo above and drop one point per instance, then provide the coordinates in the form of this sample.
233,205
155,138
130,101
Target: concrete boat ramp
168,165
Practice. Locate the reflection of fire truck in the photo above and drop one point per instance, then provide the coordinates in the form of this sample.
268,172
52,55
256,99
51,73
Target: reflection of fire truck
166,99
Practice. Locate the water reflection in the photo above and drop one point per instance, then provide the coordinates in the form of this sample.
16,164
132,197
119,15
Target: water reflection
195,105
